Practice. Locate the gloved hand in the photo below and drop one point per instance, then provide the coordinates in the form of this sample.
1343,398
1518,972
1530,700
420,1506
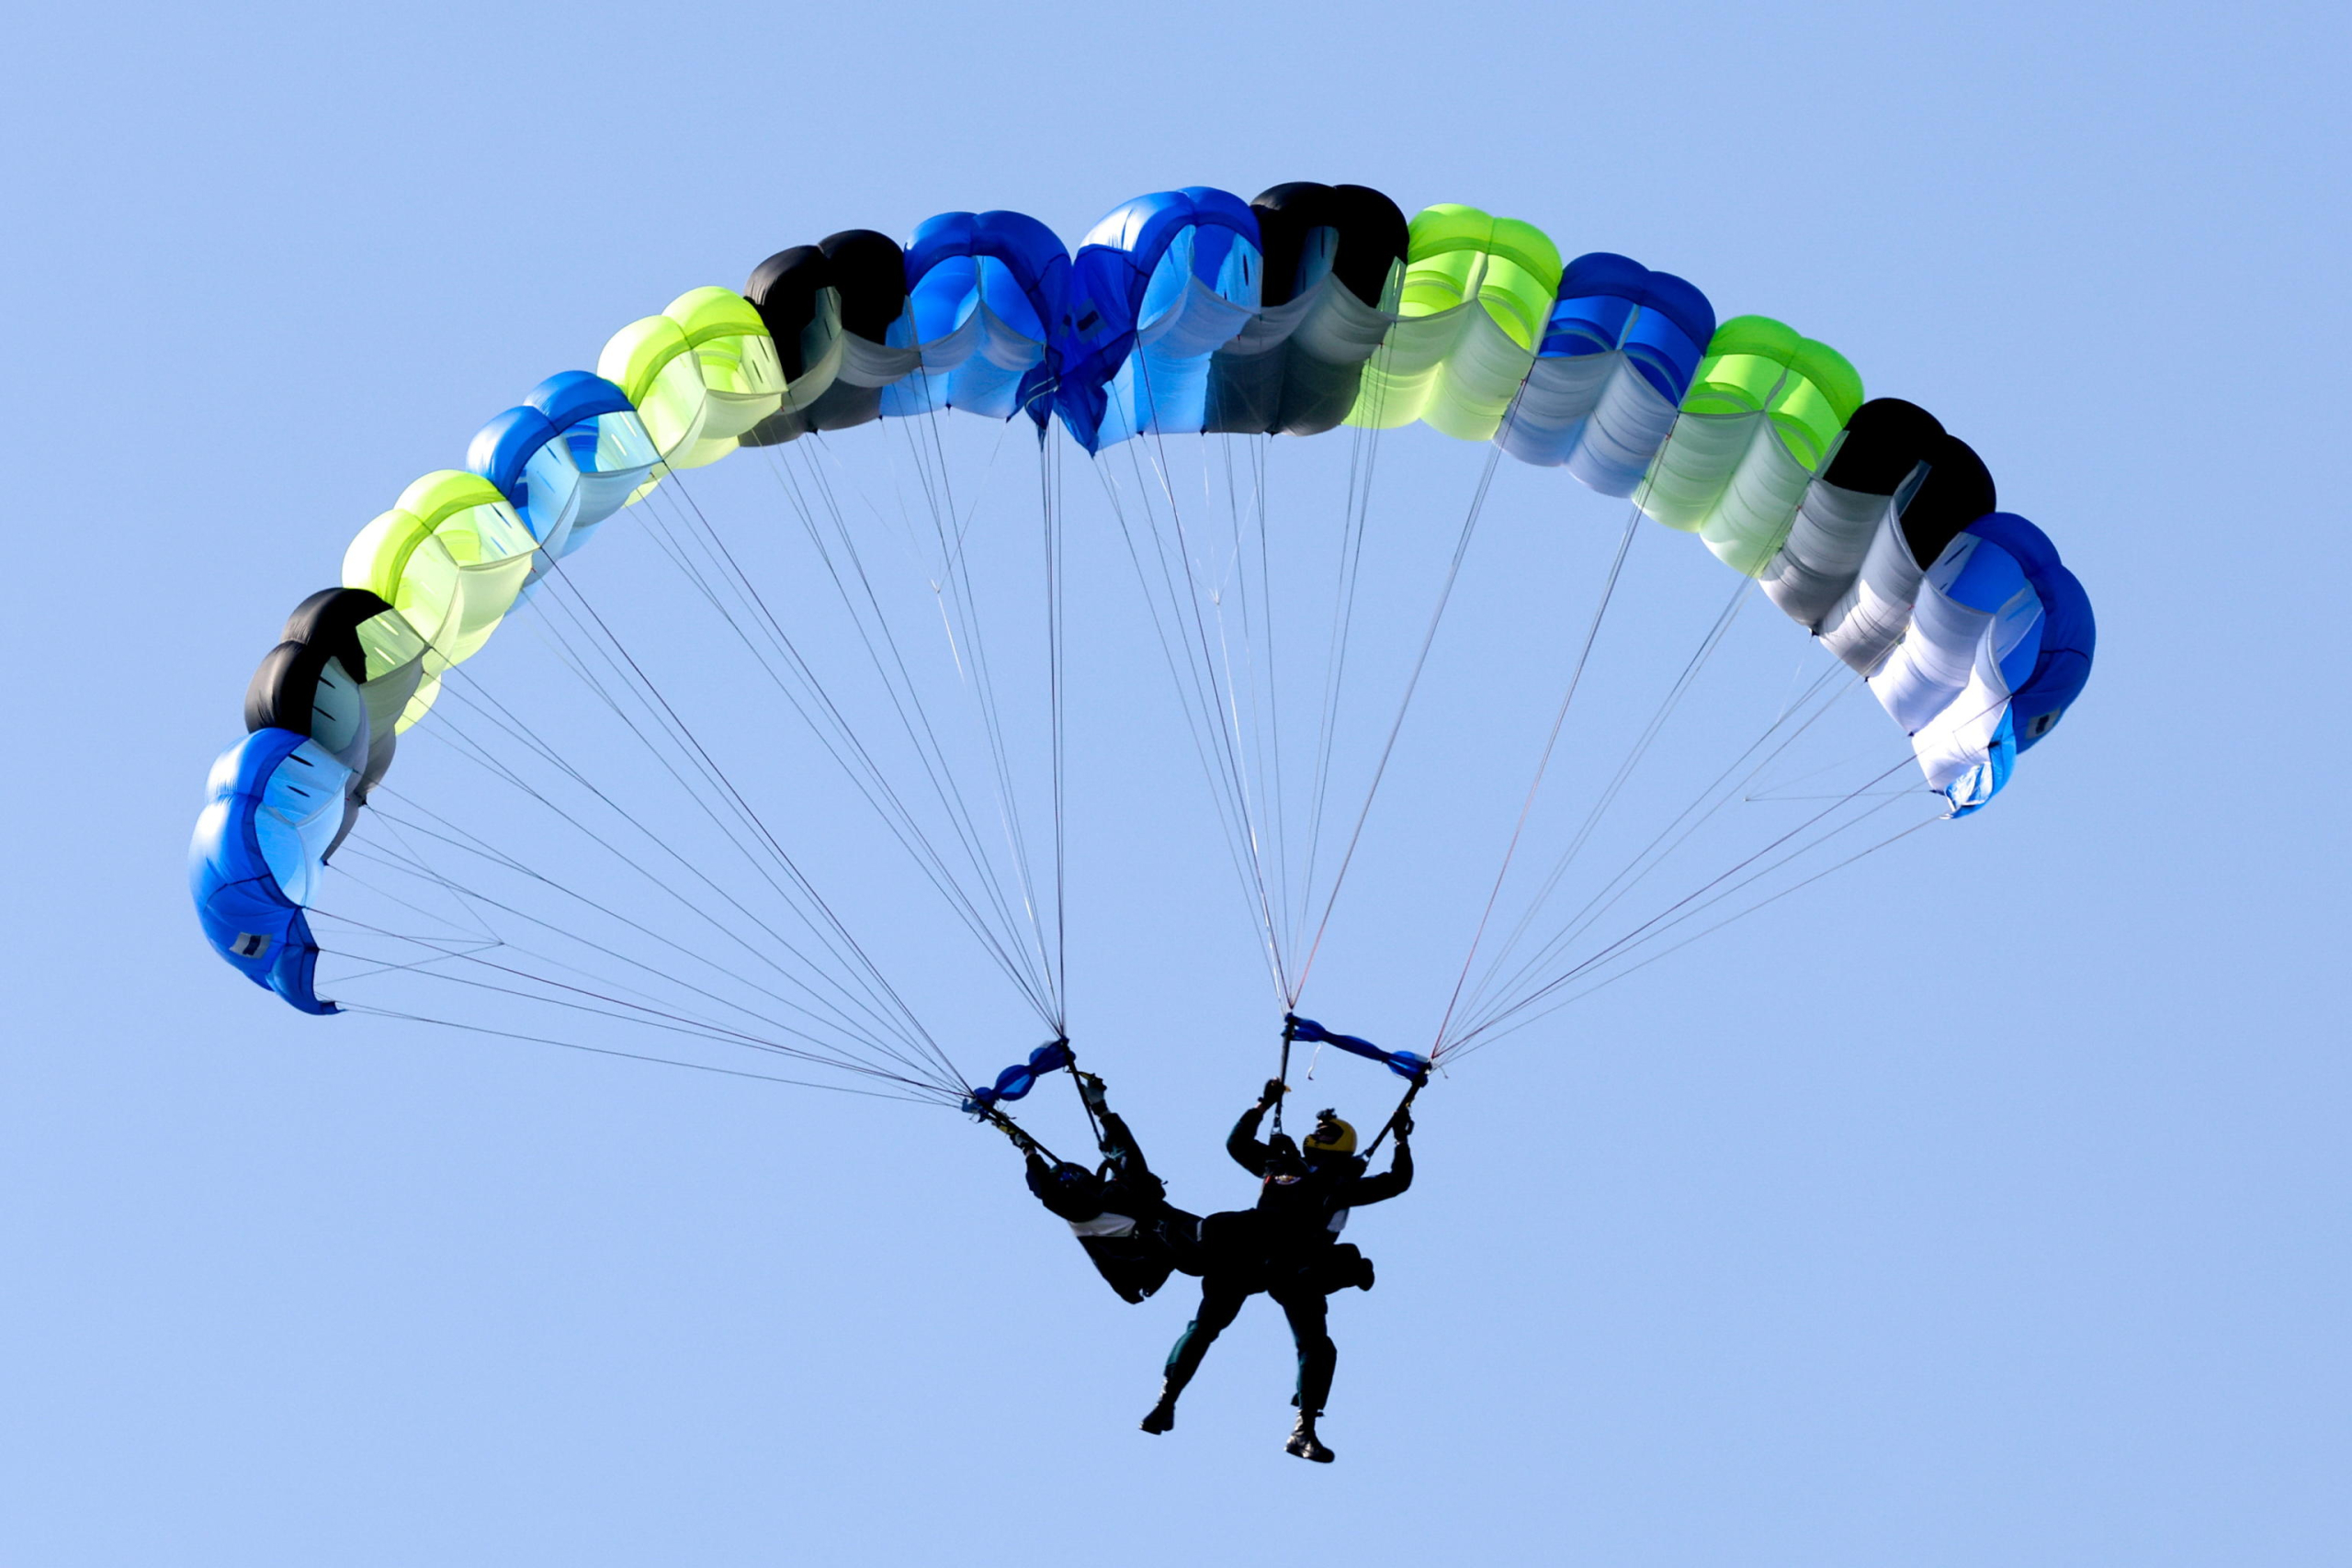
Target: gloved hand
1275,1089
1404,1125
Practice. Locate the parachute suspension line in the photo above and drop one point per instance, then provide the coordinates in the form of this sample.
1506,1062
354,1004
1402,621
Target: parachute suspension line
828,1053
474,749
1675,908
1709,931
875,632
1412,682
443,947
1033,972
397,830
810,698
1270,745
983,688
860,1022
366,1010
838,736
1676,832
809,906
895,815
1543,760
1608,798
650,1017
415,865
897,676
1220,696
643,1013
1265,692
1364,455
1185,679
1049,511
1194,674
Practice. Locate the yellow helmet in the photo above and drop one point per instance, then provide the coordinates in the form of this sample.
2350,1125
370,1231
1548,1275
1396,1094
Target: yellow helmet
1331,1136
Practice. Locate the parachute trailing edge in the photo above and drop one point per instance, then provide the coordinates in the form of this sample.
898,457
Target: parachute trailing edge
1189,310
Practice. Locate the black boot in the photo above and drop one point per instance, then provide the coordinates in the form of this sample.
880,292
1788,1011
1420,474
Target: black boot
1363,1282
1162,1416
1304,1443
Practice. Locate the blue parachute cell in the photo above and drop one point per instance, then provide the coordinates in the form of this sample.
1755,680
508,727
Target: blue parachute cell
570,398
275,805
2068,636
569,458
2028,639
1608,301
502,452
1135,273
986,293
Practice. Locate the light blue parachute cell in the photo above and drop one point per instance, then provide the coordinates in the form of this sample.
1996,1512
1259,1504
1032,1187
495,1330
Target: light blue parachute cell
986,293
567,459
1160,285
1617,356
276,804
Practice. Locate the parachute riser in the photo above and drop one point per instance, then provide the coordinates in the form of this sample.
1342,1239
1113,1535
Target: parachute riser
1020,1137
1403,1106
1282,1073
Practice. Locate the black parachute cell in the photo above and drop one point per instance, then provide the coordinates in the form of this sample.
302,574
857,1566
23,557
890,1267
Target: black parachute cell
1886,440
1956,493
1301,385
1371,232
866,274
333,617
284,692
319,681
870,270
784,289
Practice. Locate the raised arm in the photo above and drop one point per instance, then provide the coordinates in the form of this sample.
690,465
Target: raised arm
1242,1142
1040,1176
1393,1181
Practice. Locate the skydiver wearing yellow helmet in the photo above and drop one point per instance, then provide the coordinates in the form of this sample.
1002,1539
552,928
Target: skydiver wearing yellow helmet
1289,1247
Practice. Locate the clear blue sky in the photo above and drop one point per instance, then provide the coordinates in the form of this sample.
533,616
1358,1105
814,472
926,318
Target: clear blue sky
2008,1228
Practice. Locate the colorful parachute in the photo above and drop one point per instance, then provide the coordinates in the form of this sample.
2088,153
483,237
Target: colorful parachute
1191,313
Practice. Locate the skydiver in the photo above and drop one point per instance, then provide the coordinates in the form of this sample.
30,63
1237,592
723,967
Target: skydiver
1288,1246
1119,1211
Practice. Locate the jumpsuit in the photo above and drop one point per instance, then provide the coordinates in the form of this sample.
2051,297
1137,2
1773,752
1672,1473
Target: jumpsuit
1286,1247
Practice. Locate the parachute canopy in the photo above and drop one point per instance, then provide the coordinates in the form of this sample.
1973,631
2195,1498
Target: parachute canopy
1185,312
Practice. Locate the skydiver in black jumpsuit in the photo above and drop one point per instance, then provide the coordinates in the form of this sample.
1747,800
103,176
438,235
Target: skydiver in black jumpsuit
1119,1211
1287,1247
